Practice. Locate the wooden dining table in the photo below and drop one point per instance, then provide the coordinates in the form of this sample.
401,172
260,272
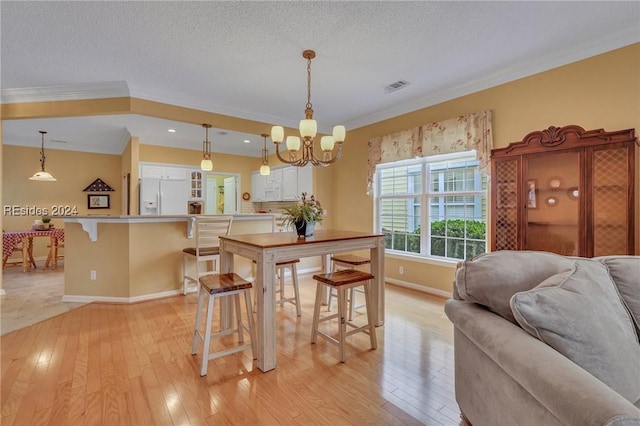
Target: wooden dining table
11,239
266,249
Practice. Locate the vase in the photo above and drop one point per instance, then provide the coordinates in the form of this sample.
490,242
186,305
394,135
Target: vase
305,229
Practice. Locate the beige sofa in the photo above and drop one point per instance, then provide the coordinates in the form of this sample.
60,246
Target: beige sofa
544,339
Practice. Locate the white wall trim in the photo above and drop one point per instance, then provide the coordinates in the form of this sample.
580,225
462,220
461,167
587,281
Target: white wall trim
418,287
136,299
72,92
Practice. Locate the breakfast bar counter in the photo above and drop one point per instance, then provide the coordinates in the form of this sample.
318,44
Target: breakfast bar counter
134,258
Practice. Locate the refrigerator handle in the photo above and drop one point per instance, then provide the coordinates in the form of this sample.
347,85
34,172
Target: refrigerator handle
159,202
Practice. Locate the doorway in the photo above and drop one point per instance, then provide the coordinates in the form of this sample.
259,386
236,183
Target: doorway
221,193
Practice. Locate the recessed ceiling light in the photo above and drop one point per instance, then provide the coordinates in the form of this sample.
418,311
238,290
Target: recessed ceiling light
171,130
247,141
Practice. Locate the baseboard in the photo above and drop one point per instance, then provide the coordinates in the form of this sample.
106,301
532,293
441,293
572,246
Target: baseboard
105,299
136,299
422,288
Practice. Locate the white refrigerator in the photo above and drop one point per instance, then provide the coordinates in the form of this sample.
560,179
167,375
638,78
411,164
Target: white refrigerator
163,196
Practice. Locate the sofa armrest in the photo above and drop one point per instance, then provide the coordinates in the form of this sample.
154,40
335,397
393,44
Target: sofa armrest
569,392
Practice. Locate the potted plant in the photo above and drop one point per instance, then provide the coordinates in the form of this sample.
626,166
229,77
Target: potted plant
303,215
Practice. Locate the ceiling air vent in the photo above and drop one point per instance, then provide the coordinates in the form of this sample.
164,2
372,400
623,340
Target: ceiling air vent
395,86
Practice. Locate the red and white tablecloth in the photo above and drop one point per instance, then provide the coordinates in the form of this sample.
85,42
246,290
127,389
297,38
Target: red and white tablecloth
10,239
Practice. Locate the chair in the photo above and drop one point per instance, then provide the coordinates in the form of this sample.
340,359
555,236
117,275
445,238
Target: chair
342,281
53,256
347,261
18,248
208,230
219,286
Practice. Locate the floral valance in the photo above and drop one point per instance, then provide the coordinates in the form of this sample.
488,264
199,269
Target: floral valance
463,133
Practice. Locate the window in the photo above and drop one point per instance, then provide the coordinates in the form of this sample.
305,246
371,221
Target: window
433,207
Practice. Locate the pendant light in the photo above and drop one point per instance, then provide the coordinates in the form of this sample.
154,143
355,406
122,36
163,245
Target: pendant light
206,163
42,175
264,169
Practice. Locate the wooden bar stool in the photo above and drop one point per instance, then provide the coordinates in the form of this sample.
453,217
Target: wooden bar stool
342,281
218,286
347,261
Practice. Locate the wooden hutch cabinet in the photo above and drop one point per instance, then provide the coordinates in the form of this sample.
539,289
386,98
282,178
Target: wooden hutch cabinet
565,190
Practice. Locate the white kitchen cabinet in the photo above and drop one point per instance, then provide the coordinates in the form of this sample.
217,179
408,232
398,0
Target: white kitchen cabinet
282,184
163,172
257,186
273,185
290,184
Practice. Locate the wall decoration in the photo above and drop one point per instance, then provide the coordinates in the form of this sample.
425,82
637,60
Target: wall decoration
97,201
532,194
573,192
246,196
552,201
98,186
555,183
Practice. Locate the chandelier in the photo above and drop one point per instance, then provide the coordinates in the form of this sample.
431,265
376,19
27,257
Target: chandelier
264,169
302,154
42,175
206,163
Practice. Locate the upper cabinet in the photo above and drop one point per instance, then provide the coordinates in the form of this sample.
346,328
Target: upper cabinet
283,184
257,187
565,190
164,172
196,184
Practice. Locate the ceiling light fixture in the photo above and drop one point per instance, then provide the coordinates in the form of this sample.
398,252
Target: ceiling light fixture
264,169
308,130
42,175
206,163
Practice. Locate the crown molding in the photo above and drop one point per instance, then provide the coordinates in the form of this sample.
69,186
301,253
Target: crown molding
109,89
622,38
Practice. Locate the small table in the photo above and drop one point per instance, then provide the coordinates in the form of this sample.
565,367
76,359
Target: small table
11,239
269,248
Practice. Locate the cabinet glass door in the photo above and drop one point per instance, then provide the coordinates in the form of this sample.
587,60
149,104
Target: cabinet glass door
611,201
552,199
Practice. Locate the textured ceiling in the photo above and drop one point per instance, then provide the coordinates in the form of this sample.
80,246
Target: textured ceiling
244,58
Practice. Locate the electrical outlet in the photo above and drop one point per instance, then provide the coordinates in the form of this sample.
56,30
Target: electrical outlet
401,270
93,275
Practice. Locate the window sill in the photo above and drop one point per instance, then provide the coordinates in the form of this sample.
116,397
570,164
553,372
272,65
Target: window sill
420,259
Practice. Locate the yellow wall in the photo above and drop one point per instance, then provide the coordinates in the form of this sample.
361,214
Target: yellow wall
74,171
599,92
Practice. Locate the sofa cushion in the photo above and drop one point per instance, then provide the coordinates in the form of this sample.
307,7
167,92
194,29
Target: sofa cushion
492,278
625,272
581,315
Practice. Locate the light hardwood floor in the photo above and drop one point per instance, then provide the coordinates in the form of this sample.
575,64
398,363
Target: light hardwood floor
131,365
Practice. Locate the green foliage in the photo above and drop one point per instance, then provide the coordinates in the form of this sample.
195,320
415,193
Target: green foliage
456,228
305,210
447,238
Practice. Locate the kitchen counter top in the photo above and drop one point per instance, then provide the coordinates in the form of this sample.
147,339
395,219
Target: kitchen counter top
89,223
